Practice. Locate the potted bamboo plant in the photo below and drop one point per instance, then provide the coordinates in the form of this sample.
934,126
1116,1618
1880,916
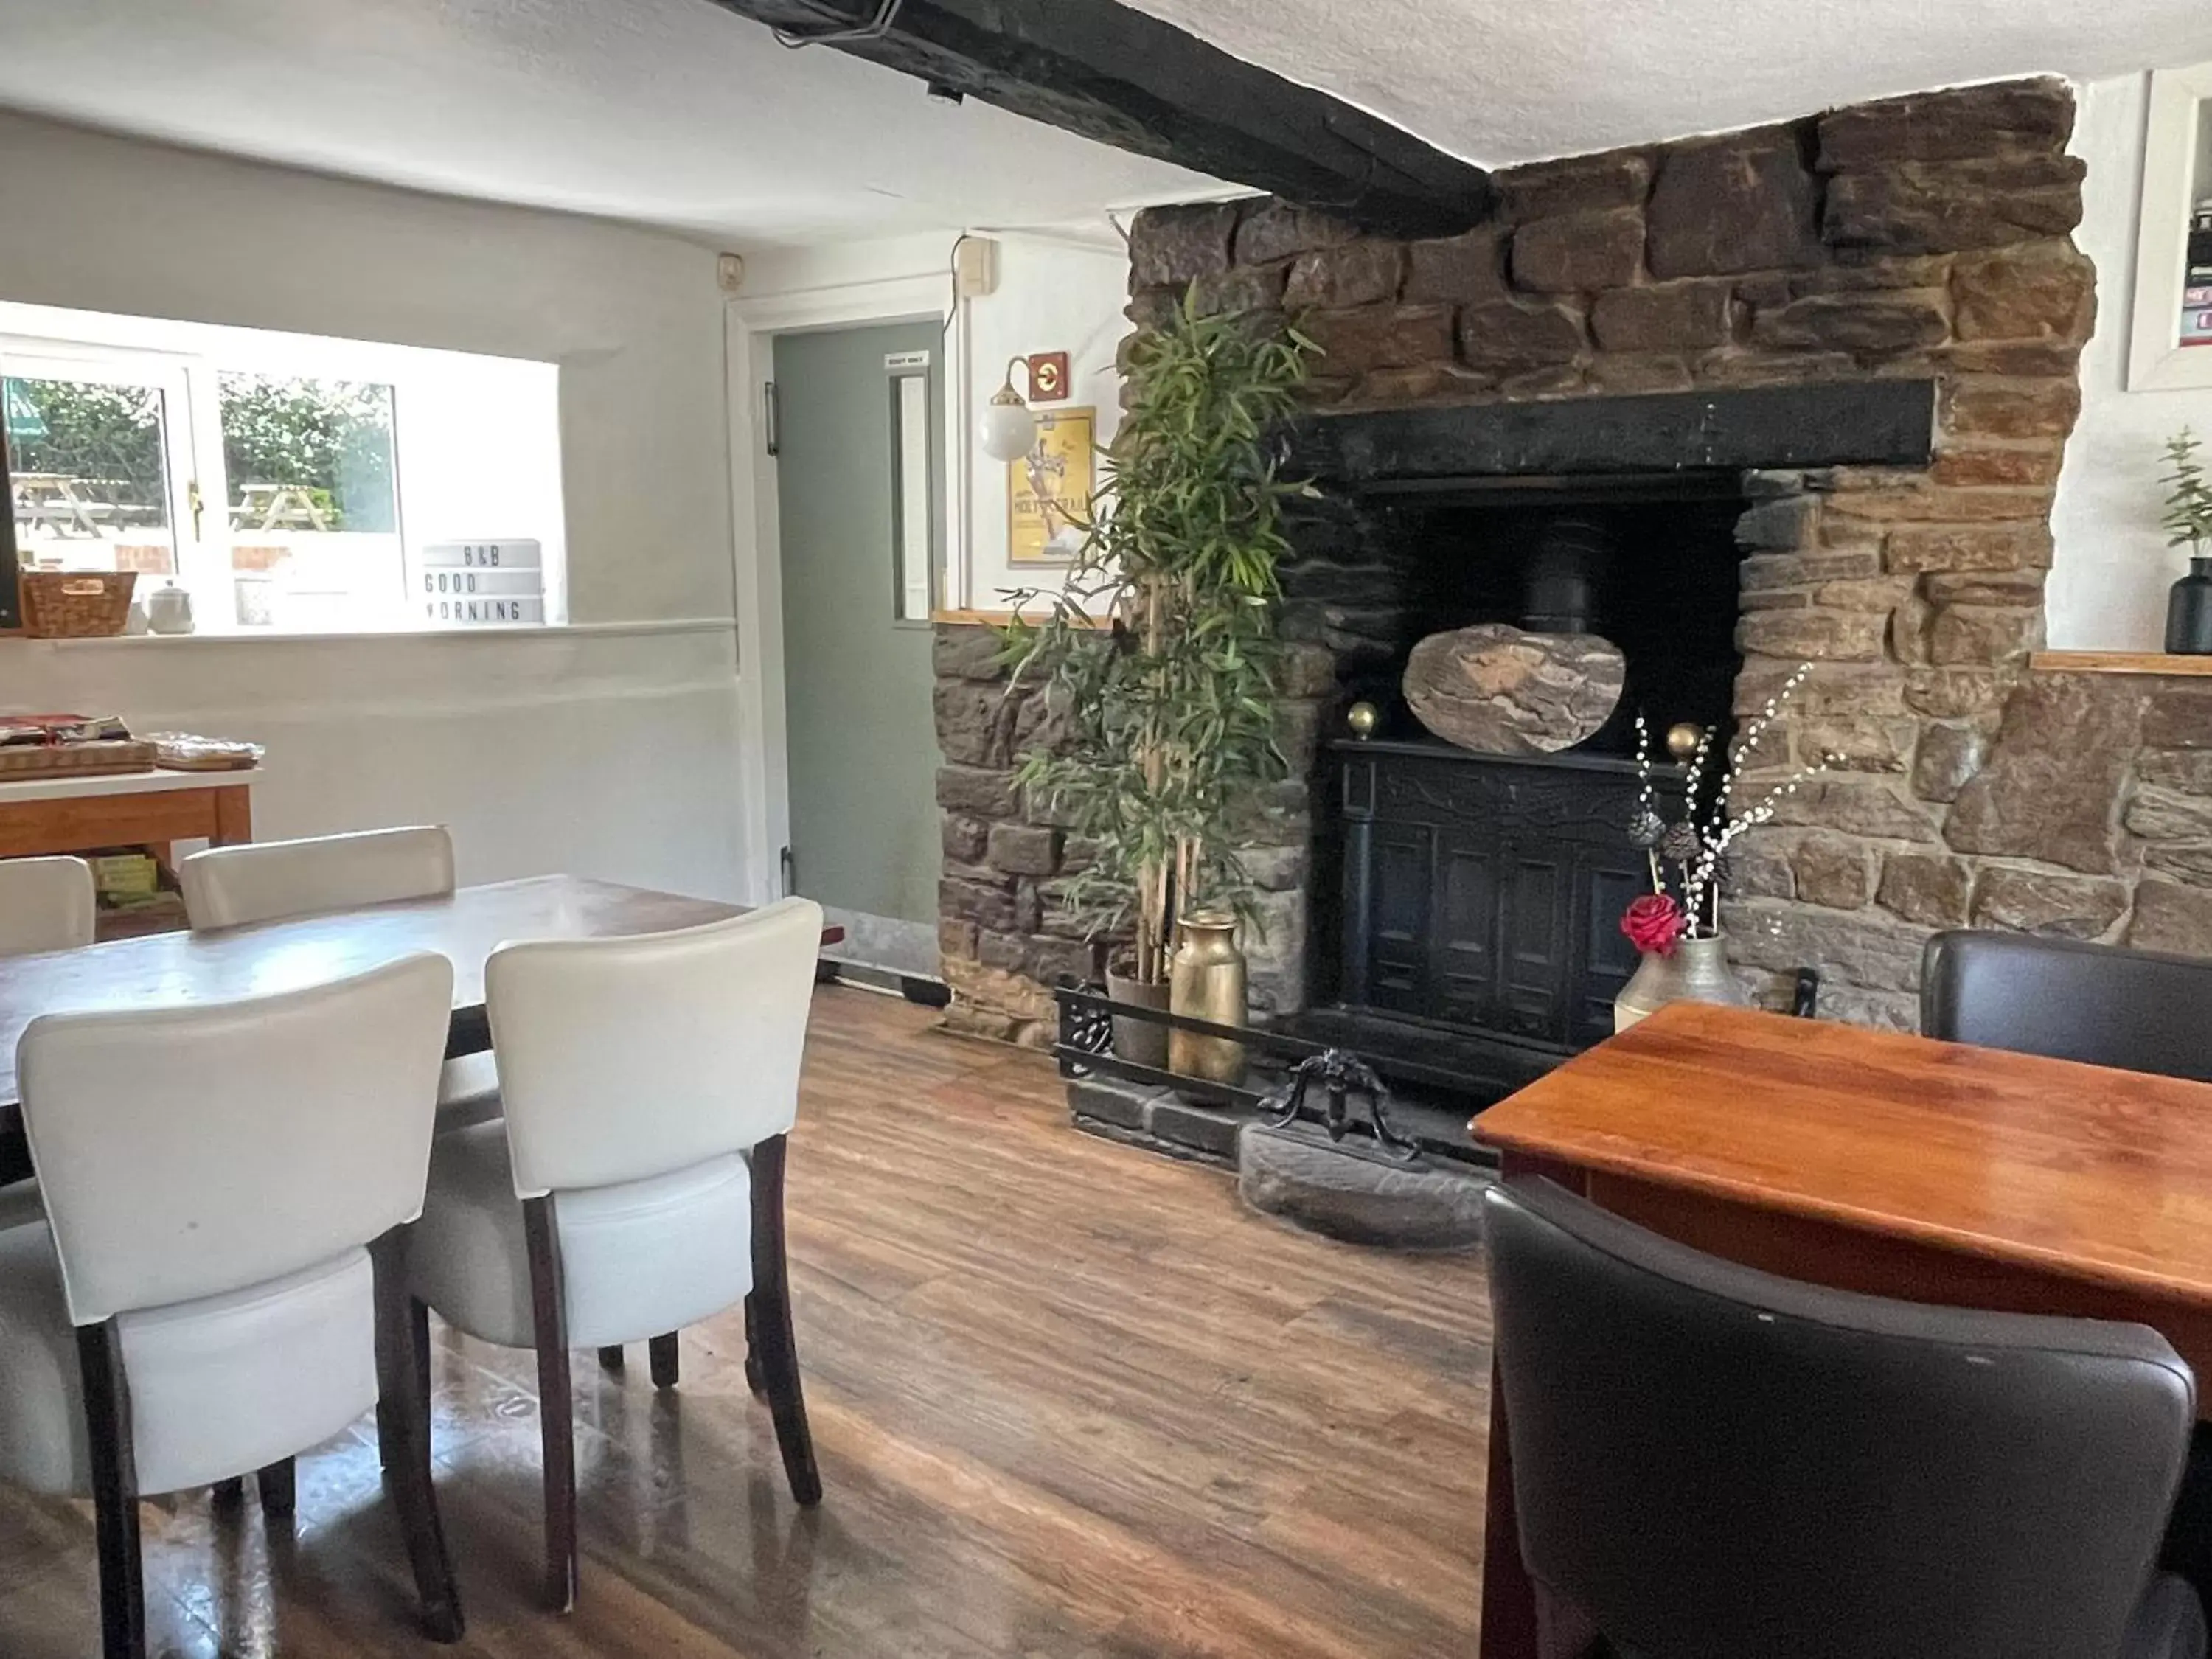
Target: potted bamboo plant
1160,652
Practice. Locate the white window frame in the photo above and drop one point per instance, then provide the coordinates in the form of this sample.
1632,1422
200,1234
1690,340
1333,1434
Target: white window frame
182,438
186,360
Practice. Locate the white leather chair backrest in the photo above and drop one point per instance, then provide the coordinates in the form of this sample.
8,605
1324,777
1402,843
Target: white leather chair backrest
45,904
622,1059
262,881
191,1152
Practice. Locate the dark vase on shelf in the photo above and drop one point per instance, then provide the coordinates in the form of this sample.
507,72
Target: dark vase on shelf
2189,612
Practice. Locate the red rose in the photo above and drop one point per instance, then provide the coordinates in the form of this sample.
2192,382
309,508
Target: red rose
1653,922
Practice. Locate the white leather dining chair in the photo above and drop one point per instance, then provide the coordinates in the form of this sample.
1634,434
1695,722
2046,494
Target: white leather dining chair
271,880
636,1184
219,1284
45,904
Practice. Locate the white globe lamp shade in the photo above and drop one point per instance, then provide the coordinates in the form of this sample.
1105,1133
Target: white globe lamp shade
1009,429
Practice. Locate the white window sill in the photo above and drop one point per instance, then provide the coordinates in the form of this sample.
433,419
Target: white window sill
550,630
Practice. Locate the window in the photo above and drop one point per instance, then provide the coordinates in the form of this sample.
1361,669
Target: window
289,483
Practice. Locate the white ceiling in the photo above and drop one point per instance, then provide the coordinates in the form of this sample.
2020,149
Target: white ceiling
675,112
1505,81
671,113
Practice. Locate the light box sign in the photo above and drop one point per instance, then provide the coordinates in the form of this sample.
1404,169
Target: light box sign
489,584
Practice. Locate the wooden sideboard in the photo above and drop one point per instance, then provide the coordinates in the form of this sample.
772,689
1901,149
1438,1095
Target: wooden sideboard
125,809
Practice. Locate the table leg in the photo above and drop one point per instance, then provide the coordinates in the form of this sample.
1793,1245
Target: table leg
234,815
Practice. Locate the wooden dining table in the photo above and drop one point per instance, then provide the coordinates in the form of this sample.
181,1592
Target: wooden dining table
1869,1161
464,926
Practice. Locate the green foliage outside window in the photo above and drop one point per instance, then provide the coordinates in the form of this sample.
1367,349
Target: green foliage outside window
329,438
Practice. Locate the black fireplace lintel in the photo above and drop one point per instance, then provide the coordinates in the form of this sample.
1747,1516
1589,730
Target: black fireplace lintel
1889,423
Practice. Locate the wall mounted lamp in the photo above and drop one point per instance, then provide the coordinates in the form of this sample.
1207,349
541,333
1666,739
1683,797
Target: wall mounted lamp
1010,426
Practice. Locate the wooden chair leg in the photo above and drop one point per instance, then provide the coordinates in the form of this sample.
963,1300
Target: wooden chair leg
229,1494
555,1410
114,1493
403,1432
611,1357
280,1488
754,1378
776,1345
665,1366
418,1341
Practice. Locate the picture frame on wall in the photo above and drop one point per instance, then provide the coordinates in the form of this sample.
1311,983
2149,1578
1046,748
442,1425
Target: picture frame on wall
2170,337
1048,490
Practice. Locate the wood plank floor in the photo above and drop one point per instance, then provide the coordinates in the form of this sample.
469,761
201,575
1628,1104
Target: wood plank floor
1070,1400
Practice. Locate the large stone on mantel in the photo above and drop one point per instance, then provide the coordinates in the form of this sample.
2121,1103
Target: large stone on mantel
2052,788
1494,689
1743,203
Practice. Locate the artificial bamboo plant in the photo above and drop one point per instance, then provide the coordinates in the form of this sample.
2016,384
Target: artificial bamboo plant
1160,655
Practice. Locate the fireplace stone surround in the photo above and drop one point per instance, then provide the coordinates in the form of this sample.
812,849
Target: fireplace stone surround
1918,240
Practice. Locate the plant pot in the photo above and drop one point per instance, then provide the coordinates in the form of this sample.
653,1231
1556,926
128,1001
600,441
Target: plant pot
1697,970
1138,1040
2189,612
1206,981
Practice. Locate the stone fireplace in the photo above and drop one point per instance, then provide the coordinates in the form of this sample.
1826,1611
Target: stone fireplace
1913,249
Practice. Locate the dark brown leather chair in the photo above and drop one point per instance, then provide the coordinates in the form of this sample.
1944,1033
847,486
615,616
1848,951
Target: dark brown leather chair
1716,1463
2137,1010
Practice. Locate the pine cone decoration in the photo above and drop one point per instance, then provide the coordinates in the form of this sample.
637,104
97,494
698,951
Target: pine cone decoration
1725,873
1681,843
1645,830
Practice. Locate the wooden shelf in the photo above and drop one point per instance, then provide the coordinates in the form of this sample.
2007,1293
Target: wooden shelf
986,618
2118,662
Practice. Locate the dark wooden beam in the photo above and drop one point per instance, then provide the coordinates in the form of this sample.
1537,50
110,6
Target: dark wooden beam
1861,423
1109,73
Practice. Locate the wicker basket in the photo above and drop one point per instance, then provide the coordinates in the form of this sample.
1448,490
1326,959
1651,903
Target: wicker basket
76,605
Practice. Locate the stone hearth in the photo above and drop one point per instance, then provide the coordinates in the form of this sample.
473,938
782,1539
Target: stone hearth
1915,239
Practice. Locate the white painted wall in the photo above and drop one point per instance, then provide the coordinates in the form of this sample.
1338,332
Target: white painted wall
606,753
2108,581
602,751
1052,297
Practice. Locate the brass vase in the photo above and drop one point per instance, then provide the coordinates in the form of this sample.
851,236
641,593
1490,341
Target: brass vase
1206,981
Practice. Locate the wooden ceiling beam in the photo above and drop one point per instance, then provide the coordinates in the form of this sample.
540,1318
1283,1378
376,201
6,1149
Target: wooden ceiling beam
1113,74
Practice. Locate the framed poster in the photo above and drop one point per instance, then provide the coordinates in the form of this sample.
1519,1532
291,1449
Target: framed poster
2170,342
1043,486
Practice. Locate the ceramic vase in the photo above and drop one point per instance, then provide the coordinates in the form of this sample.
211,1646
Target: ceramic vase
2189,612
1697,970
1206,981
1140,1041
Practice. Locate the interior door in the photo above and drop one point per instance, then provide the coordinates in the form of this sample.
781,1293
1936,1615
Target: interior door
859,431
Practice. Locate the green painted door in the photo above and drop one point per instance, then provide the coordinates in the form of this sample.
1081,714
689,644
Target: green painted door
860,447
